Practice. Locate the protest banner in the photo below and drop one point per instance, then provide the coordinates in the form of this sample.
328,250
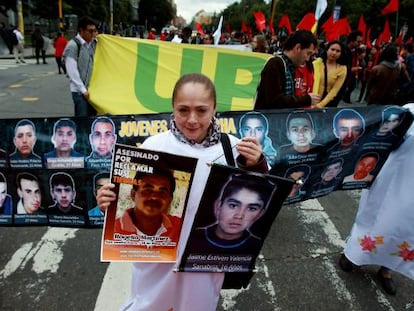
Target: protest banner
133,76
310,146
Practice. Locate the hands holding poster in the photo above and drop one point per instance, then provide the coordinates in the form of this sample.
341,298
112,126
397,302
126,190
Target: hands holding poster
152,188
143,224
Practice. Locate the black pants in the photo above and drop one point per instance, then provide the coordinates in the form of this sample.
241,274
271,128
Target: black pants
350,88
60,65
39,50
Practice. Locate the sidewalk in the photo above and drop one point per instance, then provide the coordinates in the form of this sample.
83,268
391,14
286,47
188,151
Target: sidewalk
29,52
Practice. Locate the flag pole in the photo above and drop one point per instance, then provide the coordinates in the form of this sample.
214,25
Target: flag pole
272,17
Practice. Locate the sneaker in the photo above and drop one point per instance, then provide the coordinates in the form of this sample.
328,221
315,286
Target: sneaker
387,283
345,264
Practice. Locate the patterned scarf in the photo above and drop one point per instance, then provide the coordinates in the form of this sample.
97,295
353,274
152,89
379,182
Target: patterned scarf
212,138
289,74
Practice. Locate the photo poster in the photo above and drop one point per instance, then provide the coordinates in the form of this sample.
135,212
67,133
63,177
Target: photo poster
234,217
152,188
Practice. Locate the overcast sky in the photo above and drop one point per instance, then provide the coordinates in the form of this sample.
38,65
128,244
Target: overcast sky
188,8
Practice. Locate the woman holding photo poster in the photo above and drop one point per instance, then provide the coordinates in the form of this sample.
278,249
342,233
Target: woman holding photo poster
195,132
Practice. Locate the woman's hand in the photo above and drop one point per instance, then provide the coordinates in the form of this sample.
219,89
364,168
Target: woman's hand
105,196
250,149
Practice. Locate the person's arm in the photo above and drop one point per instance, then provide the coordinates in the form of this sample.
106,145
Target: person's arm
271,92
339,81
73,73
251,156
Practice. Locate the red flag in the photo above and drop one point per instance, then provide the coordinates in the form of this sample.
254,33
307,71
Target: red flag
341,27
328,24
345,28
386,33
368,40
260,20
199,29
249,31
285,22
244,28
391,7
379,40
272,30
228,28
362,27
307,22
399,39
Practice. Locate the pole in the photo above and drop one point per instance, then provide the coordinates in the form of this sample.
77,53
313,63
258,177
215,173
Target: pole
60,14
20,22
272,17
111,16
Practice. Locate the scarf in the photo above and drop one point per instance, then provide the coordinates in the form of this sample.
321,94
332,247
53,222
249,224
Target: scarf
289,74
212,138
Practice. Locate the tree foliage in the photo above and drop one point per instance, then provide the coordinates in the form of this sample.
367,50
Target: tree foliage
155,14
158,13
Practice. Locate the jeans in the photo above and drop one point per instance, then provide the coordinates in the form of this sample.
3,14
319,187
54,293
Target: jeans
82,107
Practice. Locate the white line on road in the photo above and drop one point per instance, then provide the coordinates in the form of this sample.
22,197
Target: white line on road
46,254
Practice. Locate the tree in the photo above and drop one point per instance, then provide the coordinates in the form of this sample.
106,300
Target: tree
155,14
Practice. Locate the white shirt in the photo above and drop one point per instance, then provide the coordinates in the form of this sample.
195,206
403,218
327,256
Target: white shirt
155,286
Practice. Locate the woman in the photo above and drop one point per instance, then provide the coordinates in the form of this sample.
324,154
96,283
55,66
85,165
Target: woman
259,44
386,78
382,233
59,44
194,132
329,75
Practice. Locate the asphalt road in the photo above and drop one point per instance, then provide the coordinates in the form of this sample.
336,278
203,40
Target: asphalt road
44,268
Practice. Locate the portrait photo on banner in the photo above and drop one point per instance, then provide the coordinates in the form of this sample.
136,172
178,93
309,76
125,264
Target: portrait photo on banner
235,214
144,222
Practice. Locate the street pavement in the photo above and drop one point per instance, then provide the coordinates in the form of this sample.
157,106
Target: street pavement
46,268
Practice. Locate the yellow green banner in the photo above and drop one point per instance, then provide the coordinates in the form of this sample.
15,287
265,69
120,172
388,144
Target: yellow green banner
133,76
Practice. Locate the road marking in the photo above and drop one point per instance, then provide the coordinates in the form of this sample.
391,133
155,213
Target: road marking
46,254
30,99
15,86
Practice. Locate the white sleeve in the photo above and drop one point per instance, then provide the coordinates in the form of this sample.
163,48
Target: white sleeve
73,73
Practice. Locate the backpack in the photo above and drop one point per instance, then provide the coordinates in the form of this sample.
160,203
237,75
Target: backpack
78,44
13,39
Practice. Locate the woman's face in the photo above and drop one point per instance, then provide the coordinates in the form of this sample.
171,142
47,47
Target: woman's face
334,51
193,109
